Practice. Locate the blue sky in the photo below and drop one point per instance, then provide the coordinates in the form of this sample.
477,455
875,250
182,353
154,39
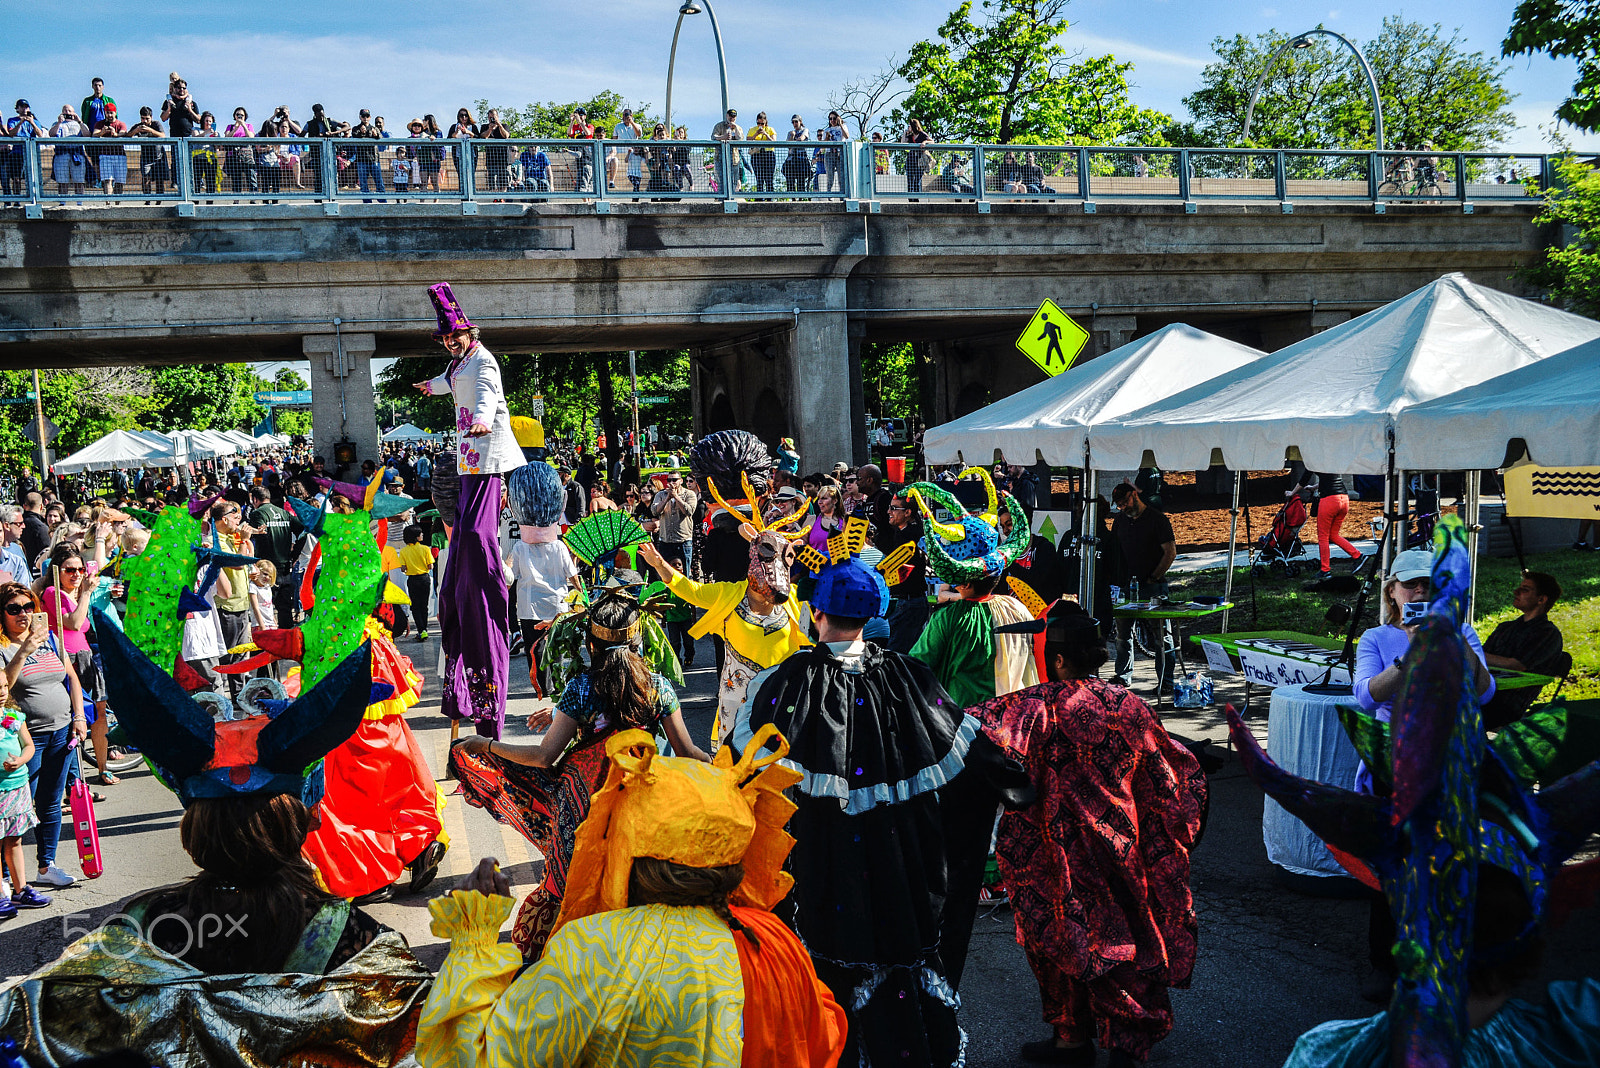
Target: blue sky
405,58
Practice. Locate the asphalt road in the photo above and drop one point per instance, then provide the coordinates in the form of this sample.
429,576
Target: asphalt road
1272,962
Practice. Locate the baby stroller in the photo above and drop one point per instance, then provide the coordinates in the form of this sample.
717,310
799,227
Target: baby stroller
1281,545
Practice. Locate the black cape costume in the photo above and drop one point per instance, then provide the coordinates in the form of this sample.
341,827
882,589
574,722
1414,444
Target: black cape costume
895,810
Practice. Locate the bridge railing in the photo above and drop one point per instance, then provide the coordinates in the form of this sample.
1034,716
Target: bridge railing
35,172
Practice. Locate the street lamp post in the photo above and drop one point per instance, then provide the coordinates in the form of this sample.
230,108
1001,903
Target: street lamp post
1304,41
692,7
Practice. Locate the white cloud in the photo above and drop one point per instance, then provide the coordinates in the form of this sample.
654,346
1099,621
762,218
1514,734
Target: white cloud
1130,50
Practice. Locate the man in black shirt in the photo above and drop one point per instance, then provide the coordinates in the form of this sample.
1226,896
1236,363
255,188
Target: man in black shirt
320,126
366,159
908,588
1144,536
1039,567
869,483
1529,643
35,531
275,540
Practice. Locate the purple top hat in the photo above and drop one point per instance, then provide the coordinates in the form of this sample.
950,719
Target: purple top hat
451,317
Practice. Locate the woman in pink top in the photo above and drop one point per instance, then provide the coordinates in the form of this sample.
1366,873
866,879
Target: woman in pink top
240,163
830,517
66,607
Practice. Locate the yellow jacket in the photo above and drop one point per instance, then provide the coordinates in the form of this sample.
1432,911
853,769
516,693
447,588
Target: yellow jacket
721,602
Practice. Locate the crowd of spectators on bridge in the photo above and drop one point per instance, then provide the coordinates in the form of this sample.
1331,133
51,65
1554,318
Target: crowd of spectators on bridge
278,154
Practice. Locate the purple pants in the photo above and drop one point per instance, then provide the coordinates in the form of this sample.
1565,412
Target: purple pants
472,610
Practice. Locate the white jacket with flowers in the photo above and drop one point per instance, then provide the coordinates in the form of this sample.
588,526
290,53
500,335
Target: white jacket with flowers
480,398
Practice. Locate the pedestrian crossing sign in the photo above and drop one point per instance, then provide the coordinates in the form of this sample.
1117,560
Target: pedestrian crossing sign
1052,340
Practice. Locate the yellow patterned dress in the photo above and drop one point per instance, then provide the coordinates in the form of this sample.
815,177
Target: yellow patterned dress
655,985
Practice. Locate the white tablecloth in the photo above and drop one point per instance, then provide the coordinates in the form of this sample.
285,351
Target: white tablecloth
1304,737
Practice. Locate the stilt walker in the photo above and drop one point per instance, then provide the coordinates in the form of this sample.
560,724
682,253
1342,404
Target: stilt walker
473,596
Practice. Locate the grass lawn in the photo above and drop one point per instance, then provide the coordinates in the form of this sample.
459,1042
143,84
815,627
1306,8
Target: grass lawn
1283,604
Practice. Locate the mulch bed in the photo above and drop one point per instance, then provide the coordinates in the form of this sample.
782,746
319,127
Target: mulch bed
1200,520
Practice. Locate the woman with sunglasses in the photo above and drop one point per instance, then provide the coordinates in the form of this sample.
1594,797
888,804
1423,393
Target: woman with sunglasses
46,688
1377,674
67,583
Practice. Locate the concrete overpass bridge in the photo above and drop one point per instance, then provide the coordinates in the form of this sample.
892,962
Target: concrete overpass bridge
775,299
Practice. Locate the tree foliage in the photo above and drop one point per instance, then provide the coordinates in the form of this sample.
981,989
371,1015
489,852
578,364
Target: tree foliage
889,379
1572,272
552,118
1433,92
569,383
1008,78
1569,29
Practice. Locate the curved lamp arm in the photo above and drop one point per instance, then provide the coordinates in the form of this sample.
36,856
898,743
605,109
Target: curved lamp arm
692,8
1366,68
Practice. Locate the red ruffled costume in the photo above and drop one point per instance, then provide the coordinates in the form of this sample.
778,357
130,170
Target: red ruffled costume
1098,866
380,805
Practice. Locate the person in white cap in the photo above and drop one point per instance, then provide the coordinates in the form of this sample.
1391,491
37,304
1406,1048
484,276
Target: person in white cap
1378,656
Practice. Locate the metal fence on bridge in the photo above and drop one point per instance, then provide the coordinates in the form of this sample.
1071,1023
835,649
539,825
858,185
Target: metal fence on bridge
189,171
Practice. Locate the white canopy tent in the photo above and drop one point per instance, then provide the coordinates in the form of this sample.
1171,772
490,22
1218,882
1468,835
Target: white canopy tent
1552,405
1053,418
239,438
409,432
120,448
1335,395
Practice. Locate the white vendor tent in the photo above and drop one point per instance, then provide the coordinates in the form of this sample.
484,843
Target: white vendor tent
409,432
120,448
239,438
1053,417
1335,395
1552,405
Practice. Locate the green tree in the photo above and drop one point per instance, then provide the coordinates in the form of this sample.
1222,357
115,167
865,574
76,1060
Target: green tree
1008,78
205,396
1572,272
293,421
1568,29
551,118
1433,92
889,379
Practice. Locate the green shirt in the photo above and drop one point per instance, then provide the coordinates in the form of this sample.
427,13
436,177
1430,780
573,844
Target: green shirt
958,644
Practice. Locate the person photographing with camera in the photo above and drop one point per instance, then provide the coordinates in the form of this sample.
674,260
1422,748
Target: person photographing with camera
1378,674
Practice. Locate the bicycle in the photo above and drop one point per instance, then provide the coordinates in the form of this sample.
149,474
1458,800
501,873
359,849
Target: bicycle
1400,180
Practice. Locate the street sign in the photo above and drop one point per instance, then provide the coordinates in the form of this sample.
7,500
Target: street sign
654,398
1052,340
32,430
287,398
29,399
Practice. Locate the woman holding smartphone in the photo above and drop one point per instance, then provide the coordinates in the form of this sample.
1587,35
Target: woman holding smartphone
47,690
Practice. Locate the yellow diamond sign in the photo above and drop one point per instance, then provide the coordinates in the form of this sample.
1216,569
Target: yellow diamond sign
1052,340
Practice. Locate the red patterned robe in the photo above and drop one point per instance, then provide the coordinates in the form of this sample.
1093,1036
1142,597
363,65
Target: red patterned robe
1098,866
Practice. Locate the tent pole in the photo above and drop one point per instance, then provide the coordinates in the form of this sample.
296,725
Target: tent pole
1086,537
1386,546
1233,535
1474,490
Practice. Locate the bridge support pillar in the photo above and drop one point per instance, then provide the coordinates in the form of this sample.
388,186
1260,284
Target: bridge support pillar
343,406
1109,332
826,409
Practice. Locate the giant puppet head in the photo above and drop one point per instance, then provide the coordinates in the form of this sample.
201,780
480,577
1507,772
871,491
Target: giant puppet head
969,547
772,548
1455,803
